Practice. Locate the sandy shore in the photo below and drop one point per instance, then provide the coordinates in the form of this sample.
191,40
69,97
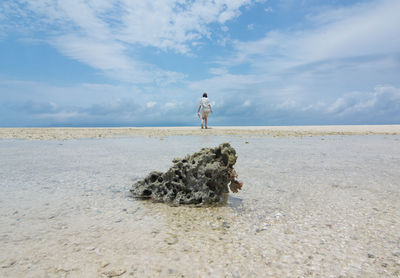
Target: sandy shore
71,133
311,206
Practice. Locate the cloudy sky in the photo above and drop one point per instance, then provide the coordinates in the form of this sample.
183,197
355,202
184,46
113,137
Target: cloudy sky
139,62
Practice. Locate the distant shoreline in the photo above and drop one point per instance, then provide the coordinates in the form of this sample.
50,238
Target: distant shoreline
65,133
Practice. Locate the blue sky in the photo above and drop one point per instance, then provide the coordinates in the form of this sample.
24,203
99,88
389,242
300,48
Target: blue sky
139,63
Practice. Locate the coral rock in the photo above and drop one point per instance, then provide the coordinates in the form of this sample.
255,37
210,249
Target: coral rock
200,178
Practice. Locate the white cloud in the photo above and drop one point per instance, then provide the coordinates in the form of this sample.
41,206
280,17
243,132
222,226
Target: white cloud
58,117
170,105
247,103
218,71
250,27
359,30
107,55
368,31
382,105
319,105
383,100
226,83
224,28
40,104
151,104
268,10
104,34
173,24
340,50
287,105
33,103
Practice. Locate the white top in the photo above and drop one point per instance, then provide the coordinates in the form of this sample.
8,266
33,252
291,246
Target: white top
205,104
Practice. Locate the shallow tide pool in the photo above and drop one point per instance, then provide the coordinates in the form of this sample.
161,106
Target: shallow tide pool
320,206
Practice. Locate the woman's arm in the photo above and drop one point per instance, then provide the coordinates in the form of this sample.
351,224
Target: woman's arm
198,112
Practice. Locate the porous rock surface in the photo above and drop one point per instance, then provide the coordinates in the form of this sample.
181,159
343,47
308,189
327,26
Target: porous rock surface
200,178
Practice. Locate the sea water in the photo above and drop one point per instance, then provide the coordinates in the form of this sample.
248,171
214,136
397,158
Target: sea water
310,206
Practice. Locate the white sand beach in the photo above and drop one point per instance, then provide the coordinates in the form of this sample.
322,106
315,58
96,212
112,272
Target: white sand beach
316,202
76,132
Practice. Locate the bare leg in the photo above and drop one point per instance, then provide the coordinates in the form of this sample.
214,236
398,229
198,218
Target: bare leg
205,121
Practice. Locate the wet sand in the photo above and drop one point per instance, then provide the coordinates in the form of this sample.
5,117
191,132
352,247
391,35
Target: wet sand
312,206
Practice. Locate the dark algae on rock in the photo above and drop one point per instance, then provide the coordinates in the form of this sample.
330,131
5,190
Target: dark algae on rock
200,178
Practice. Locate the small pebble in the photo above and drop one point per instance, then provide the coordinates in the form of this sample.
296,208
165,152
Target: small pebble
91,248
171,271
173,239
9,264
236,274
114,273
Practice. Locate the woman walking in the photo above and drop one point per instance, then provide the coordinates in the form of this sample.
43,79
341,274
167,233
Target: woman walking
205,107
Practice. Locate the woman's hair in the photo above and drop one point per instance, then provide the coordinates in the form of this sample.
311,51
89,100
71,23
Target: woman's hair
205,95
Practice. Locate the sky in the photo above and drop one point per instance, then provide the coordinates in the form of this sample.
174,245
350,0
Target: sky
147,63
